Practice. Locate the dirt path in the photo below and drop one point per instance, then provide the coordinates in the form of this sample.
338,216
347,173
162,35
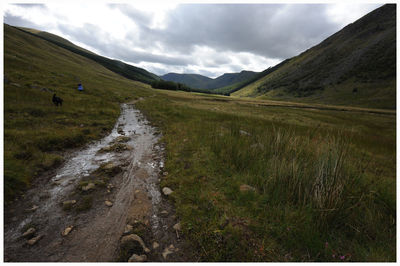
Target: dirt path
122,170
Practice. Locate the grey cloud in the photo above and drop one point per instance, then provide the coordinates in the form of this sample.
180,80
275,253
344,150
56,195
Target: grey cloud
212,61
138,56
273,31
236,68
91,35
222,60
18,21
270,31
43,6
158,70
138,16
21,22
88,34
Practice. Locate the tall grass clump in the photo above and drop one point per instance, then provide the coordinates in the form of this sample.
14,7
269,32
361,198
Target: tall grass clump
314,175
314,193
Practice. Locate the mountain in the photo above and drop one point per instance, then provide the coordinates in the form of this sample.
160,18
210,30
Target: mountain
55,38
239,85
119,67
231,78
191,80
203,82
355,66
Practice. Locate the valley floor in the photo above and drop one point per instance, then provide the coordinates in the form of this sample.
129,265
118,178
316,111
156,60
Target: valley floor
252,180
259,180
86,210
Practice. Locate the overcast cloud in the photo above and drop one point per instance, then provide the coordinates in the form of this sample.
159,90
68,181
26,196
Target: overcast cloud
208,39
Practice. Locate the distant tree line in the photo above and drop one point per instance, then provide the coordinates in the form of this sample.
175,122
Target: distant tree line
175,86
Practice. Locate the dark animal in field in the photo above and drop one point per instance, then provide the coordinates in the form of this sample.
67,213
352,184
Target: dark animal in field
57,100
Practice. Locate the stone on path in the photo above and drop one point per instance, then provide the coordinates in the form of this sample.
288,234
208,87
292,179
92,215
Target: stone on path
34,240
128,229
34,208
68,203
167,191
67,230
29,233
108,203
134,241
88,187
156,245
137,258
167,251
177,226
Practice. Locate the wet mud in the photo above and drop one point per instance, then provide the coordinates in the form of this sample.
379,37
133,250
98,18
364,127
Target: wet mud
99,213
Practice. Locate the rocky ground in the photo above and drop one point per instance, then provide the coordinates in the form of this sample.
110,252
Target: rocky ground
103,204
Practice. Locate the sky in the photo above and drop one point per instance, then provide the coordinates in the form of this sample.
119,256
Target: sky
206,39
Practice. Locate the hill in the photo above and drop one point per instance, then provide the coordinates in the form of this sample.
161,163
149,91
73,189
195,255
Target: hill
119,67
55,38
203,82
35,131
191,80
355,66
231,78
239,85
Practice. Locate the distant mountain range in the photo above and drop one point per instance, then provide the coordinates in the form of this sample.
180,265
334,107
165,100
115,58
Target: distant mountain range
355,66
203,82
135,73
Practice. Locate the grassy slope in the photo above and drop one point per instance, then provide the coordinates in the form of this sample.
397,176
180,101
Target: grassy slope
239,85
232,78
355,66
54,38
191,80
290,154
35,131
119,67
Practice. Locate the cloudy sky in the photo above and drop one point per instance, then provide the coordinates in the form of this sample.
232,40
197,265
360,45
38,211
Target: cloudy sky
207,39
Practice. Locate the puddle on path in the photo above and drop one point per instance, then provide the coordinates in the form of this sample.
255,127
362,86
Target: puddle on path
97,232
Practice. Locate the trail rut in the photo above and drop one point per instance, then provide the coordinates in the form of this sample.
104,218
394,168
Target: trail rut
96,233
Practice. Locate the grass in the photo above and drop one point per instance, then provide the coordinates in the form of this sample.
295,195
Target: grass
324,179
36,133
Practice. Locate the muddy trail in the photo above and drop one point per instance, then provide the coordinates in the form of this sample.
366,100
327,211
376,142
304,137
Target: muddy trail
103,204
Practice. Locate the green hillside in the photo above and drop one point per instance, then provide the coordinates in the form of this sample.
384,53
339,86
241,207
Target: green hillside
35,131
126,70
55,38
241,84
191,80
202,82
355,66
231,78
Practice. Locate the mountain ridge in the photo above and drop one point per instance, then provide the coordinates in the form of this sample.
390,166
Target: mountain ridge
117,66
355,66
204,82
